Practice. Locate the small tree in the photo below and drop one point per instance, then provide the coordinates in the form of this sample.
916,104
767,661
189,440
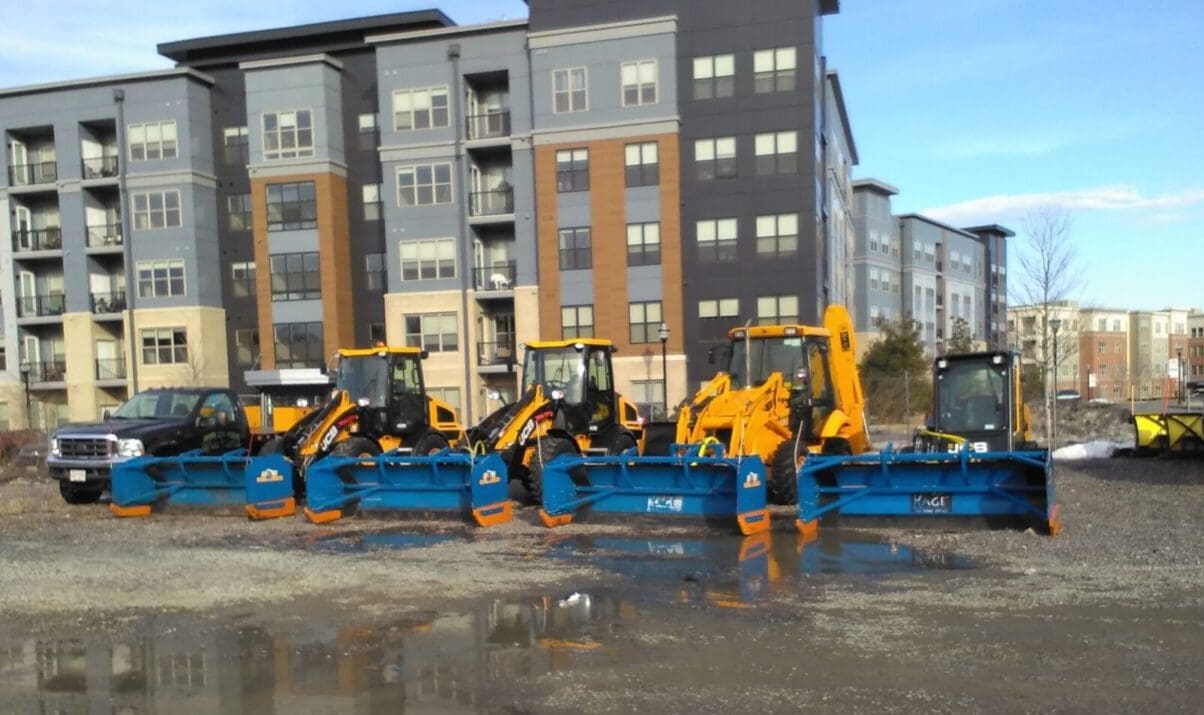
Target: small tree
962,340
895,374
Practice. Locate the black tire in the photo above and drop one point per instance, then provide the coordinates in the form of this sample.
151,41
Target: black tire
837,446
356,447
274,445
621,444
549,449
79,493
430,443
783,474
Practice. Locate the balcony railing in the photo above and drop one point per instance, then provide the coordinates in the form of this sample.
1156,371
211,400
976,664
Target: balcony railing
100,167
38,239
43,172
491,203
496,353
104,235
39,306
489,126
113,302
110,369
499,276
48,371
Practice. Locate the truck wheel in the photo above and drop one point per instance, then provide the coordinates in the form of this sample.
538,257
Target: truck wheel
549,448
79,493
430,443
783,474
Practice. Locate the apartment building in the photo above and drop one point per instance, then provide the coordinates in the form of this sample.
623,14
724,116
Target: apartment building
600,169
1193,355
1103,353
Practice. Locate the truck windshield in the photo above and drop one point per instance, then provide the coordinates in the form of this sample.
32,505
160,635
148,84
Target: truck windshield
158,404
972,397
556,369
365,377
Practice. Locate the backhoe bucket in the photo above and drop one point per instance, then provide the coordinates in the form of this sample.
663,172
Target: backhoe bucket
446,481
198,480
684,485
990,485
1171,433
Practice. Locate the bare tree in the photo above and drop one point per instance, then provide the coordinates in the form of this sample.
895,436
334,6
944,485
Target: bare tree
196,368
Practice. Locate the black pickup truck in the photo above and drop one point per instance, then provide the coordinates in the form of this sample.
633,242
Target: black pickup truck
158,422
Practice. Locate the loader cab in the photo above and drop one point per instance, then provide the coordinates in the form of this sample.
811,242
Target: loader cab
975,398
800,355
387,386
578,377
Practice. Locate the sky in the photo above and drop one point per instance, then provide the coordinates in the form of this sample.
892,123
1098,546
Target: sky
979,111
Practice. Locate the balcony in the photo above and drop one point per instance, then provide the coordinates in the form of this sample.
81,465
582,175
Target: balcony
106,235
40,306
496,356
496,278
108,303
110,369
38,239
493,125
100,167
497,202
47,371
43,172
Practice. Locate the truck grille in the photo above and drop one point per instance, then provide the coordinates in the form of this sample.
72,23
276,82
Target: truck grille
85,447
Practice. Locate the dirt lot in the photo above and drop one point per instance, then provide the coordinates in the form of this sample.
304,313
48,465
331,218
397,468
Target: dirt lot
376,616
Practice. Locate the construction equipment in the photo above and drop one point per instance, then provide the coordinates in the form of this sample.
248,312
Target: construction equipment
785,391
975,458
1169,433
569,406
195,479
694,481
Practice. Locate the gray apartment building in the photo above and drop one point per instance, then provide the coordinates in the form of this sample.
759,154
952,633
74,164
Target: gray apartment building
910,266
599,169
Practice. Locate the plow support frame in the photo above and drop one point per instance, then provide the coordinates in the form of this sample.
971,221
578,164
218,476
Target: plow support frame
194,479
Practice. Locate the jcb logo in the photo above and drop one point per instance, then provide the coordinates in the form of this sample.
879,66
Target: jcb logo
268,476
525,434
328,438
752,481
490,477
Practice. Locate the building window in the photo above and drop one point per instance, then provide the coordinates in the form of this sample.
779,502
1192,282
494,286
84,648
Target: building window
235,147
299,345
777,153
424,108
450,395
367,122
575,248
292,207
645,321
376,333
424,185
4,426
374,271
649,397
433,332
288,135
428,260
777,310
246,346
238,212
774,70
242,279
295,276
639,82
715,158
157,209
719,308
368,134
568,90
160,279
153,140
777,235
643,244
164,346
372,204
716,239
576,321
714,77
572,170
642,164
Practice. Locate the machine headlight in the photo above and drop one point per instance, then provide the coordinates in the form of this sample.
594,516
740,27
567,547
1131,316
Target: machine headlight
557,394
129,448
55,451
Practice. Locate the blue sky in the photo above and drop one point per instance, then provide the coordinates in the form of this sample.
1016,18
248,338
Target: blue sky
978,110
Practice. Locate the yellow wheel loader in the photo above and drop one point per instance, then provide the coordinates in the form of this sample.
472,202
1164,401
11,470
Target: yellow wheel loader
785,391
568,406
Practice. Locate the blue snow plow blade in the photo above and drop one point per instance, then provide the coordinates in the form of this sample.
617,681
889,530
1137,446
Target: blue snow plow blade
446,481
686,484
194,479
1006,485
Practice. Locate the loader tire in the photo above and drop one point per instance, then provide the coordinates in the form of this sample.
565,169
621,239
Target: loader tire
356,447
621,444
79,493
430,443
549,449
274,445
783,474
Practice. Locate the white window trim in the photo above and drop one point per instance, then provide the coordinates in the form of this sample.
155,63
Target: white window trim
143,125
570,110
165,226
430,108
414,167
656,90
168,263
299,151
418,244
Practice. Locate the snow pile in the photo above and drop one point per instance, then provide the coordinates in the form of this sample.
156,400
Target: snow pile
1095,449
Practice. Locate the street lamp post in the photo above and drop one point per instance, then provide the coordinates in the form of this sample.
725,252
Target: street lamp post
663,332
1053,420
25,367
1179,390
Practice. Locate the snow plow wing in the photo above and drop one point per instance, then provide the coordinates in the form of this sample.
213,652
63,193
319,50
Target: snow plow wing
443,482
990,485
1170,433
261,485
686,484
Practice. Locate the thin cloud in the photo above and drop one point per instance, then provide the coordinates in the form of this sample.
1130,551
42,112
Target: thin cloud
1010,207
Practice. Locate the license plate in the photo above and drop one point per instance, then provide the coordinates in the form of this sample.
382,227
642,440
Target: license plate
77,475
931,503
